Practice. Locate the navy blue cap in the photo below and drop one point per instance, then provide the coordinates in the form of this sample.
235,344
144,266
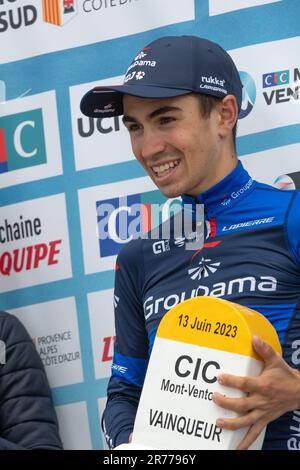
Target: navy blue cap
169,66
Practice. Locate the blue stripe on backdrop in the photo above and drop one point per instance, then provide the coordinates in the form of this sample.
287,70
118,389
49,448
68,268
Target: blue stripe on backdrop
246,145
56,290
241,28
266,140
75,392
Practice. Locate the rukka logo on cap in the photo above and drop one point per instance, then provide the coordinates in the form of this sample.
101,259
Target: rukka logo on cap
213,84
213,81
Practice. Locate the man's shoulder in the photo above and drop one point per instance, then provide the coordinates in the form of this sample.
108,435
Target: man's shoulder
132,250
275,189
285,203
277,195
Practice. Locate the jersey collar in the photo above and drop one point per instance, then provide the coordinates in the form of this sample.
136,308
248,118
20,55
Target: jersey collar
224,194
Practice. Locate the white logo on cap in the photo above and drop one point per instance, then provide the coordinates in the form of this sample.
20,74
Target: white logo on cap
140,56
130,76
213,81
213,84
104,110
140,75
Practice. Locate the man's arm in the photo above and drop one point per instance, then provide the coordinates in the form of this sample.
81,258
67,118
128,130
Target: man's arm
277,390
270,395
119,415
131,347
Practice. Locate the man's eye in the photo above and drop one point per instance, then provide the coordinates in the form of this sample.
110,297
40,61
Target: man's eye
133,127
166,119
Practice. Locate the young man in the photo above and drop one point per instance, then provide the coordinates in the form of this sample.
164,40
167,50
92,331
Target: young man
180,99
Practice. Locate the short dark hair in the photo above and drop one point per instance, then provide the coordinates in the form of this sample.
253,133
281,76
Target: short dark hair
207,104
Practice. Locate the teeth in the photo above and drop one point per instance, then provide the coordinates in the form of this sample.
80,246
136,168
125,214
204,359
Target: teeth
162,168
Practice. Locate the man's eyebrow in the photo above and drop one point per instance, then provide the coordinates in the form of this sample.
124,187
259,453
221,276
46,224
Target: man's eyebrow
162,110
155,113
127,118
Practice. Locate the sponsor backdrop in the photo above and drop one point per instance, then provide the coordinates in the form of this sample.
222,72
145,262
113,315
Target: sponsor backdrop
60,171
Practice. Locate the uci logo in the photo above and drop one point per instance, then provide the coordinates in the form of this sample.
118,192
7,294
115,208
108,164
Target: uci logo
88,126
22,142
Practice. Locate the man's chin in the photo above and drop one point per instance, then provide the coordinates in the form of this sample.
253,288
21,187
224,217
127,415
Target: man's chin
169,193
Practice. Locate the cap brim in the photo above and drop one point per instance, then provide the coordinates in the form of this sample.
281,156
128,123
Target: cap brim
101,102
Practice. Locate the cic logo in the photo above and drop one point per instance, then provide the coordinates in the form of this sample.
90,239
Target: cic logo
22,142
276,78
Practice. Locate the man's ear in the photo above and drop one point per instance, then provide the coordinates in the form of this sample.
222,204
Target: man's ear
228,114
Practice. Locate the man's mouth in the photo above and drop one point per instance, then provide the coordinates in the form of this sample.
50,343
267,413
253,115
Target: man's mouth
166,168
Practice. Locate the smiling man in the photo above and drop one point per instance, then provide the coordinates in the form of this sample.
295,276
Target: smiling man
180,100
168,136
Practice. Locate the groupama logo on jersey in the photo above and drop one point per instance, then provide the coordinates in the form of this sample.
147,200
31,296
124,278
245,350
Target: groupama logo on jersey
200,266
22,142
120,220
249,94
59,12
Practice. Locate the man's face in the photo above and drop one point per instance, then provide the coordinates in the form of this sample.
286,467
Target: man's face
179,149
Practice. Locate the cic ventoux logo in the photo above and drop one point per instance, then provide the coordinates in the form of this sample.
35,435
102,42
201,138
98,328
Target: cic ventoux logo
59,12
249,94
282,77
22,141
281,86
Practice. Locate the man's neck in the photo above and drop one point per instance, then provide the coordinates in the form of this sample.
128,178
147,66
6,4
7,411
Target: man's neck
225,167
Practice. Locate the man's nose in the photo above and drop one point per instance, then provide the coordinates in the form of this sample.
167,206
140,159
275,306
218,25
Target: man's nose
152,143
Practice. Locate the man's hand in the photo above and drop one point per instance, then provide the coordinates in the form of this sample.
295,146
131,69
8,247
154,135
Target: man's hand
273,393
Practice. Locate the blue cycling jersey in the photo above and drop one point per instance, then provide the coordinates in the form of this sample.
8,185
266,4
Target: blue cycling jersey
251,256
